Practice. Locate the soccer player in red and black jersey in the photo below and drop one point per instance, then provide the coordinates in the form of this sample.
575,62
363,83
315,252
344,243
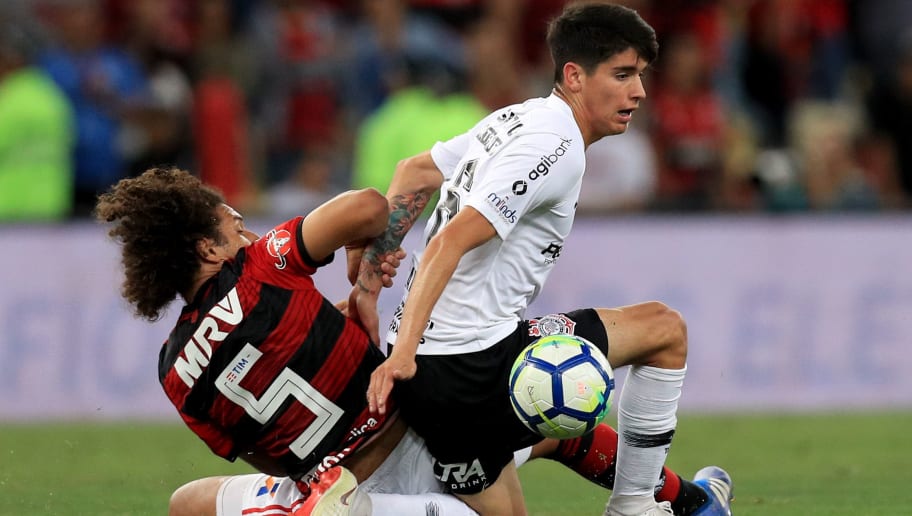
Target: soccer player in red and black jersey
259,365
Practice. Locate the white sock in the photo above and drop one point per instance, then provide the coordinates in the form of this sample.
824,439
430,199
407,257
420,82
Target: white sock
523,456
437,504
646,423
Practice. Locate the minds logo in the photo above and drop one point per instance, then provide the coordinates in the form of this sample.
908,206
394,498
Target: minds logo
546,161
500,204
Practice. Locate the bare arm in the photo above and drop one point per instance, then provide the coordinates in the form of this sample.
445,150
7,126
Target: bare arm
468,230
348,218
415,181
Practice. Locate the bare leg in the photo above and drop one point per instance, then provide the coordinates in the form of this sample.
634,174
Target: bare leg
504,496
196,498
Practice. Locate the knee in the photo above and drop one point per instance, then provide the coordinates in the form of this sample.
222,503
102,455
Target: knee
671,335
181,501
194,498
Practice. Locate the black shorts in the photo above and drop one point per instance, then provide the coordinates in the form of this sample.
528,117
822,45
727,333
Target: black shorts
460,404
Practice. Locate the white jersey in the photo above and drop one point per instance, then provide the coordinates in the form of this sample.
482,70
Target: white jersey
521,167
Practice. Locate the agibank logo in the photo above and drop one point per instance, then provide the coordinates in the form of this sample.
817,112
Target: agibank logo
548,160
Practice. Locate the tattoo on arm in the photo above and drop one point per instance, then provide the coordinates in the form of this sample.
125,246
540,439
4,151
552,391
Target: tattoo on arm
404,210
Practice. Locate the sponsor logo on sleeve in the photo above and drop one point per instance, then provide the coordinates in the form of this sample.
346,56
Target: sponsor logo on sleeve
549,160
500,204
520,187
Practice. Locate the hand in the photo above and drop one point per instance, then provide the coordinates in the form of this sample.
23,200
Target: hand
342,306
353,253
362,301
382,379
362,308
391,262
389,265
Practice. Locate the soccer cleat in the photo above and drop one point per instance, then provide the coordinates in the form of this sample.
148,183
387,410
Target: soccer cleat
335,493
718,485
659,509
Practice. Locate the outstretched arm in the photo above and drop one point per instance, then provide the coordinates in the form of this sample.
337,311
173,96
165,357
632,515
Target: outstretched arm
414,183
345,219
468,230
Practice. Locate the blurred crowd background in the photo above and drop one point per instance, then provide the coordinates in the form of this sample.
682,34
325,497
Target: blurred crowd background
753,105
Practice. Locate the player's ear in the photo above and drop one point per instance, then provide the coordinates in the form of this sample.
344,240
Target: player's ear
206,250
572,76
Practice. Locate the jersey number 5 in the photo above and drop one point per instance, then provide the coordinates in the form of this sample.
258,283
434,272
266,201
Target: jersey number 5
287,383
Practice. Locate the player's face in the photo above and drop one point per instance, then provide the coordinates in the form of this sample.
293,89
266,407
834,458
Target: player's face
613,92
235,234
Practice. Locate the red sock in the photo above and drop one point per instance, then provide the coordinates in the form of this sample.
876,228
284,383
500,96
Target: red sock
593,456
670,486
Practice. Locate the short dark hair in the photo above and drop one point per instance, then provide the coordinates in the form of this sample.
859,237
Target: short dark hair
158,219
590,34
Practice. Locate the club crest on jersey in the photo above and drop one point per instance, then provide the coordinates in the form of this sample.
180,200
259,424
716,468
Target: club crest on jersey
551,325
278,243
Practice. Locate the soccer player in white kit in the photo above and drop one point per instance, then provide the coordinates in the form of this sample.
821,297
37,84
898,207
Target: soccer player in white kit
508,194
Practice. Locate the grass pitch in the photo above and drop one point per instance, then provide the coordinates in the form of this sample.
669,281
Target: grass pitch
803,465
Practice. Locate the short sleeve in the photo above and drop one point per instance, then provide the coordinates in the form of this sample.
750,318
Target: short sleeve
281,255
446,155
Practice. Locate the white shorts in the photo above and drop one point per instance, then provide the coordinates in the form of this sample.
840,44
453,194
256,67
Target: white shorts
407,470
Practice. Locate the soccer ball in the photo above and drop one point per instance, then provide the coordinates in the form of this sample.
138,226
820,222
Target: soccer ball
561,386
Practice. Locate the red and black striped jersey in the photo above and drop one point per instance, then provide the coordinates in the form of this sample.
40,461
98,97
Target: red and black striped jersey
260,362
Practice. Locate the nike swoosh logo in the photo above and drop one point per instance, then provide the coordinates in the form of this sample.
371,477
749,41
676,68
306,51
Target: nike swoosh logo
346,496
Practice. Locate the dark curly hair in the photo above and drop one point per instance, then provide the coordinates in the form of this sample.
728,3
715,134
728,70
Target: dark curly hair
158,219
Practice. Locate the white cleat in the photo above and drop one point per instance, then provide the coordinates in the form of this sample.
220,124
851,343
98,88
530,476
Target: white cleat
658,509
336,493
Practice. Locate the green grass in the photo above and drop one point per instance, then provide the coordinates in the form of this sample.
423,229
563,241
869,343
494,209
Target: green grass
850,464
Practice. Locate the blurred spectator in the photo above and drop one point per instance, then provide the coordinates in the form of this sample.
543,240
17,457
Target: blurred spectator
621,174
826,174
738,188
796,49
878,26
493,62
36,176
155,35
222,68
824,136
532,51
218,48
105,87
387,35
435,108
688,127
295,102
308,187
890,108
311,96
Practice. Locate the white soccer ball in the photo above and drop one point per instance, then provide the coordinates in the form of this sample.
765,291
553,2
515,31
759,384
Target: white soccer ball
561,386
